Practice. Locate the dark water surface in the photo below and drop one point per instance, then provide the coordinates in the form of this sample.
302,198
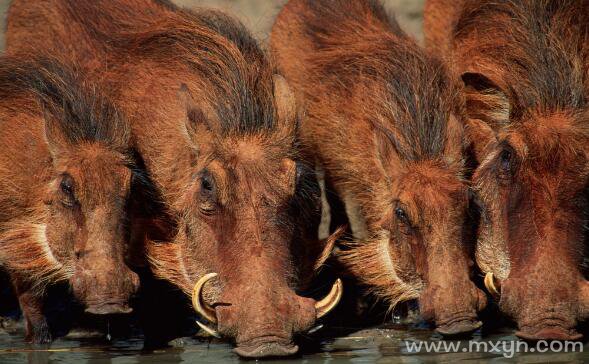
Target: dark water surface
381,345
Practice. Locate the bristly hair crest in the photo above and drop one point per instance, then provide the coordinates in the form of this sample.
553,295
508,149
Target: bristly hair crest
414,91
77,109
230,64
534,50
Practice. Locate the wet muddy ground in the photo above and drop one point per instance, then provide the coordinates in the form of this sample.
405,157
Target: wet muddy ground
382,345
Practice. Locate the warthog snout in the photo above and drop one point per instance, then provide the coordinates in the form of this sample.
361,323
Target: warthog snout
109,308
541,315
454,311
450,299
264,320
105,292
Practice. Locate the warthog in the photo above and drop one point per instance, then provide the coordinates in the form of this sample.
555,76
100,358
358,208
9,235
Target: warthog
65,177
385,122
524,64
216,129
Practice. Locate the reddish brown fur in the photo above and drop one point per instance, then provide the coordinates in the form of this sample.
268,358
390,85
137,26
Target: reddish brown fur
385,123
47,234
525,67
216,130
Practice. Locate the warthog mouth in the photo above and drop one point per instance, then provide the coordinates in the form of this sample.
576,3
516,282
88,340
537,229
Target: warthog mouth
108,308
548,329
459,325
322,307
266,346
549,333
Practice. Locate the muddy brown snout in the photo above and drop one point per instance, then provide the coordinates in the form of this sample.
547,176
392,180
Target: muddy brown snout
102,281
453,308
450,299
546,305
105,292
262,316
546,294
103,284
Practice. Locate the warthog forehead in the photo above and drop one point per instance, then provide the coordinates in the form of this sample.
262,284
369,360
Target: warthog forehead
430,185
247,151
95,186
256,148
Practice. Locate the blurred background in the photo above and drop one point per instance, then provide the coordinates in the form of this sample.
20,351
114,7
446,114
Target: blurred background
259,15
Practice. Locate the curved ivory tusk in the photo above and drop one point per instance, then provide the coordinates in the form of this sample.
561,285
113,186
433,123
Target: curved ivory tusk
315,329
331,300
199,305
490,285
208,330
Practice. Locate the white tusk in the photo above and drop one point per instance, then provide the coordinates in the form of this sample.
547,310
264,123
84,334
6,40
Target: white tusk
201,307
315,329
208,330
328,303
490,285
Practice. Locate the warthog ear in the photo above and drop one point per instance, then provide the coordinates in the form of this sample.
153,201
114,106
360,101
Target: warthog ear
488,110
485,100
387,149
286,107
197,124
478,135
453,150
54,135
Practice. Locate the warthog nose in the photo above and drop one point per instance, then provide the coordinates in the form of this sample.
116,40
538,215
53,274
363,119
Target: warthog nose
321,307
104,295
549,333
540,315
266,348
462,322
109,308
459,327
454,309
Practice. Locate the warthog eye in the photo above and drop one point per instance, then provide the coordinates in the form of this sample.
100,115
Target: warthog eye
402,216
506,163
206,186
506,160
66,187
207,192
300,173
